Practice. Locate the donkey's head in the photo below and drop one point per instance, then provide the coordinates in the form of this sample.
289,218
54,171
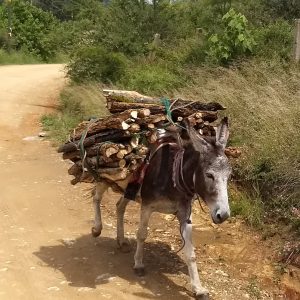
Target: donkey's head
213,171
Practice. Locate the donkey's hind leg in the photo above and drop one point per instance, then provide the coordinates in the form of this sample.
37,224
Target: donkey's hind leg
100,188
122,242
141,237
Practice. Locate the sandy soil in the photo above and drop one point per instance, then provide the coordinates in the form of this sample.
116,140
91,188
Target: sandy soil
46,250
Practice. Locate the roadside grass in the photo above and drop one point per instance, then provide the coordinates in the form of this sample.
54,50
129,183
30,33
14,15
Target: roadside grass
264,113
17,58
249,207
263,104
76,103
25,58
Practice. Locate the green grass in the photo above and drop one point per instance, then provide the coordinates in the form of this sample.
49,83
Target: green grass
76,103
262,101
152,79
250,208
17,58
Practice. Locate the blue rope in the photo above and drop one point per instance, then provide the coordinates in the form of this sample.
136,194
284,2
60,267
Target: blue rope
167,104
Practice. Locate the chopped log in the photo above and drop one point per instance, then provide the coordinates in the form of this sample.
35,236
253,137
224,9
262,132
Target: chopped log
134,157
151,126
208,115
153,137
71,155
134,97
145,112
93,161
134,142
118,107
121,153
134,128
109,135
125,95
109,149
125,126
117,121
152,119
75,169
128,148
142,150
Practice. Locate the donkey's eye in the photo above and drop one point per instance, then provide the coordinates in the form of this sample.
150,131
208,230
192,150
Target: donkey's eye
210,176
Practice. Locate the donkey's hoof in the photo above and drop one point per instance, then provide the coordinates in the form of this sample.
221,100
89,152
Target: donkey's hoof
202,296
140,271
96,232
124,246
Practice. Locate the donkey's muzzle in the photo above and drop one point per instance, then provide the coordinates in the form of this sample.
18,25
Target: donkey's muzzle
220,216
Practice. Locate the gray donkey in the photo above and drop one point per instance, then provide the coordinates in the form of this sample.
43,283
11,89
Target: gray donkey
174,176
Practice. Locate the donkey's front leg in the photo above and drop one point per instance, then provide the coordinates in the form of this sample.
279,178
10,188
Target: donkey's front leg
100,188
190,259
141,237
122,242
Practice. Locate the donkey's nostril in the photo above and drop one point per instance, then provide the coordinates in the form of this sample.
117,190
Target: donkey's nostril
220,216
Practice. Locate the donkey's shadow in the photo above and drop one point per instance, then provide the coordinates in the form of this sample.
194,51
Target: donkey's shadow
85,259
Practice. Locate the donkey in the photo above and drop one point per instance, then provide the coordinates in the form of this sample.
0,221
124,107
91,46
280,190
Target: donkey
173,177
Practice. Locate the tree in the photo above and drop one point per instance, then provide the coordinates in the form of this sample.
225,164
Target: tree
31,28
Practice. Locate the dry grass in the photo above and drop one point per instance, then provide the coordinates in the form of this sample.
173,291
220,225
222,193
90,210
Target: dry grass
77,103
264,108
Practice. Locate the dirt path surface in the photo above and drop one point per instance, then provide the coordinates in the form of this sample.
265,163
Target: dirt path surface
46,250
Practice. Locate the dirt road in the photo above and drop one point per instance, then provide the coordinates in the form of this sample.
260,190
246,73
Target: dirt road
46,250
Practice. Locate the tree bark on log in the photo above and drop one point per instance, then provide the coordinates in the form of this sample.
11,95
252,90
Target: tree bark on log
109,135
208,111
134,97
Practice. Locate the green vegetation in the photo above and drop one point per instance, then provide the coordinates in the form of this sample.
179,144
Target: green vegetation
17,58
236,52
77,103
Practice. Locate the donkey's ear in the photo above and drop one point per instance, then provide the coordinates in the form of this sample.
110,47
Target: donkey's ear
199,143
222,133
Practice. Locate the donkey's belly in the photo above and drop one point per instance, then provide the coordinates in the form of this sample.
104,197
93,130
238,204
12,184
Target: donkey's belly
164,205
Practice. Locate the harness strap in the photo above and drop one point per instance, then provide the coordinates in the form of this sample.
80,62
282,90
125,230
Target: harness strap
178,176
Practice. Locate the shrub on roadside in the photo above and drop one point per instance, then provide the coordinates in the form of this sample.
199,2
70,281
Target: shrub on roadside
235,40
91,63
152,79
274,40
17,57
31,28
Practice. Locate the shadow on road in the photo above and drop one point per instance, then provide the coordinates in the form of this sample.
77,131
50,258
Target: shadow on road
84,259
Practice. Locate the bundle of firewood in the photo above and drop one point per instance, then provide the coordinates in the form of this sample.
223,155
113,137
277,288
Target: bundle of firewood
114,147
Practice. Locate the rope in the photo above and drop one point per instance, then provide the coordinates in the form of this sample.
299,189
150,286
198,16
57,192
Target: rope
83,152
168,106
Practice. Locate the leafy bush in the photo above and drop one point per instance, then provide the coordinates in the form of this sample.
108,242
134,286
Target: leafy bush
93,63
236,40
30,28
17,57
152,79
274,40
